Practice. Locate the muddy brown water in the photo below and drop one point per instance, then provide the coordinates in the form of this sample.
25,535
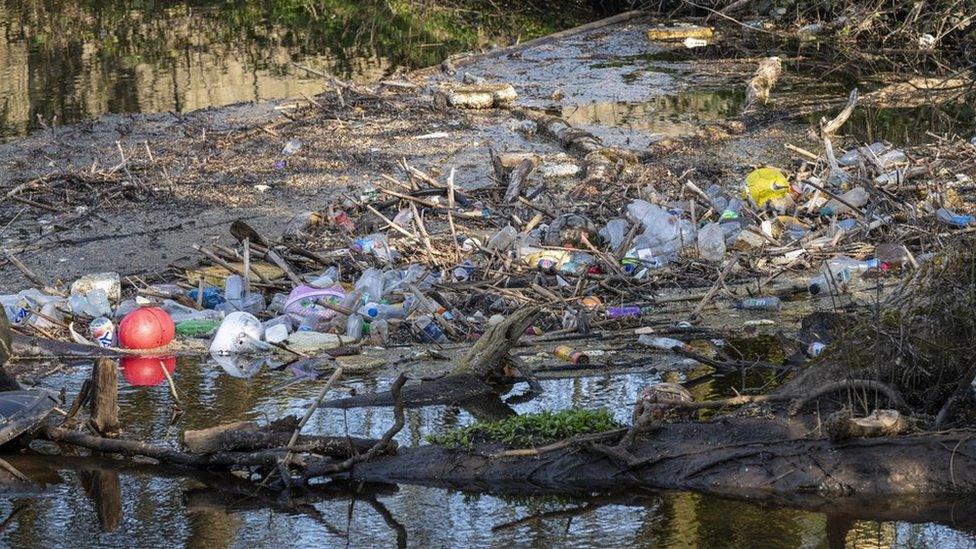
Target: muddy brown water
98,502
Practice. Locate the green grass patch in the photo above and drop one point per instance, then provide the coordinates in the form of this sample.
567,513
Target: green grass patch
528,430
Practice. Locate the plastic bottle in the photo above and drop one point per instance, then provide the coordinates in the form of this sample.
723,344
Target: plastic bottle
856,197
252,303
504,238
429,329
760,304
626,311
463,272
838,273
891,158
614,232
659,342
959,220
854,156
379,331
354,327
233,288
377,244
211,296
569,354
370,285
376,311
291,147
327,279
711,242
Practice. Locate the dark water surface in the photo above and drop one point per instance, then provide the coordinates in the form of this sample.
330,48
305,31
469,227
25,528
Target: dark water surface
64,61
98,502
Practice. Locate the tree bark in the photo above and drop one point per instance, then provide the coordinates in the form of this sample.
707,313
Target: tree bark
104,401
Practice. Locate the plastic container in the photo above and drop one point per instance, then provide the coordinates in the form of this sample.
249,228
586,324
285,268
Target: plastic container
760,304
379,332
711,242
276,333
239,333
303,310
376,244
211,296
354,327
327,279
429,329
234,288
197,328
614,232
503,239
107,282
959,220
659,342
853,157
370,285
856,197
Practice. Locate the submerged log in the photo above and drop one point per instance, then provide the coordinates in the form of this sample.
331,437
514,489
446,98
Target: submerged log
247,437
744,457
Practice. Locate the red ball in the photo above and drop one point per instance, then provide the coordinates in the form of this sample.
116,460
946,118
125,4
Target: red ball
146,328
146,370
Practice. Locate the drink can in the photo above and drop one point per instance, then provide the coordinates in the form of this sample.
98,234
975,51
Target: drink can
570,354
102,330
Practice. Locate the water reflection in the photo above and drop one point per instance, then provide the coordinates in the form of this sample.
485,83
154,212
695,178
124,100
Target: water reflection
74,60
125,503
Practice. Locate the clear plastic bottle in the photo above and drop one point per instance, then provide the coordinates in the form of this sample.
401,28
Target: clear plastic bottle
502,239
376,311
327,279
354,327
614,232
291,147
379,332
660,342
838,273
711,242
856,197
370,285
233,288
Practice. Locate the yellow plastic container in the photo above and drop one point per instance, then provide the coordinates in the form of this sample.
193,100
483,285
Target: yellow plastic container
766,184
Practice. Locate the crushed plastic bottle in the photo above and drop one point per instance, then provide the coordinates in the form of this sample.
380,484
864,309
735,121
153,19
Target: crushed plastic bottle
614,232
354,327
376,244
760,304
663,343
854,156
291,147
429,329
379,332
856,197
952,218
303,310
838,273
711,242
370,285
504,238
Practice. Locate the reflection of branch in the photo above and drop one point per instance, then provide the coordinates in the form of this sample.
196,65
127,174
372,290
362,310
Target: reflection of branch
13,514
389,519
325,469
571,512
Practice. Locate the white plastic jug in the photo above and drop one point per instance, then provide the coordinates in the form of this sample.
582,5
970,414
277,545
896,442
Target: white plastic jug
239,333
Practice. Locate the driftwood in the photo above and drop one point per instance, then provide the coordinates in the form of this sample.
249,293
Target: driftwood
104,399
841,425
517,177
247,436
746,457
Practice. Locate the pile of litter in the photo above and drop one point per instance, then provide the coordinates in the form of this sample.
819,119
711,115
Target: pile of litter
595,237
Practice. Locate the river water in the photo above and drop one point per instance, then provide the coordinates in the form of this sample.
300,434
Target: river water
98,502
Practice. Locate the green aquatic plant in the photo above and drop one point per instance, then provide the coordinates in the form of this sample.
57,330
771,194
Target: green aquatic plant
529,429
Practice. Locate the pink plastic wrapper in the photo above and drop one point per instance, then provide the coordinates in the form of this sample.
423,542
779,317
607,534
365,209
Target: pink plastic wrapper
302,309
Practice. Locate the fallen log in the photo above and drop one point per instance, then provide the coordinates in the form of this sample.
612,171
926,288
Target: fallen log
745,457
246,436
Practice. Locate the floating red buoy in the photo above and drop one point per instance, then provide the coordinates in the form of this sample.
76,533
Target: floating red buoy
147,370
146,328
